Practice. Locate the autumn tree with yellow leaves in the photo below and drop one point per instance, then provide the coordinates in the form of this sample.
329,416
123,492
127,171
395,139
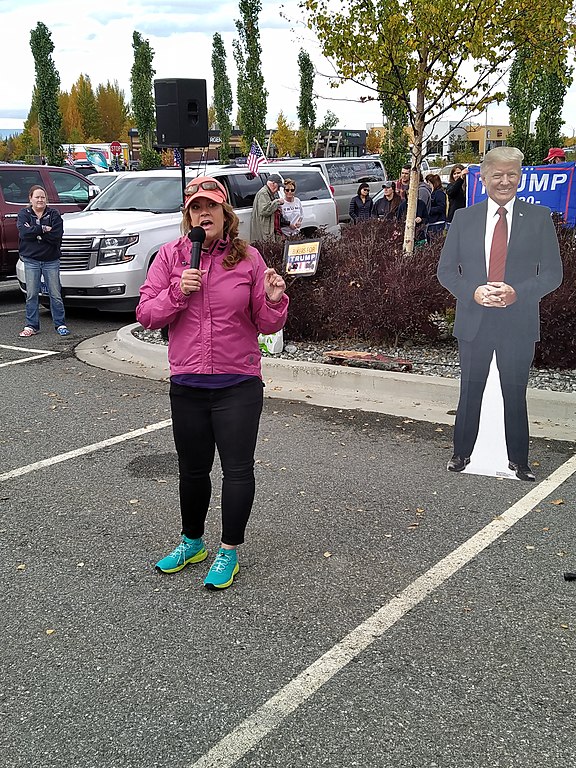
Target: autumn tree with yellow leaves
432,58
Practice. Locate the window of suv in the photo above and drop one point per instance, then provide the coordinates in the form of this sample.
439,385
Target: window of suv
16,184
352,172
157,194
242,188
309,186
70,188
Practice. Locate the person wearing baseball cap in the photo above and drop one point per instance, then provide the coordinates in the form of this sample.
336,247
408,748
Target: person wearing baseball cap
264,221
555,155
214,314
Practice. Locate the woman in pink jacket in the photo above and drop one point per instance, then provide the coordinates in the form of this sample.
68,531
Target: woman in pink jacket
214,314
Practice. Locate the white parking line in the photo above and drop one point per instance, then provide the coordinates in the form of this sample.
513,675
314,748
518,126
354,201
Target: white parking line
83,451
12,312
273,712
37,354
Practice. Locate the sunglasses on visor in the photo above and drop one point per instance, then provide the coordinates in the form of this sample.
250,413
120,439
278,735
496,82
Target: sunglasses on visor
207,186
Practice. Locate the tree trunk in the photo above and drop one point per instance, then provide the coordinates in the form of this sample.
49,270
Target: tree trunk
416,160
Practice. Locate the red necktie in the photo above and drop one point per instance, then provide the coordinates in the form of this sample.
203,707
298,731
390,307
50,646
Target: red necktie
498,249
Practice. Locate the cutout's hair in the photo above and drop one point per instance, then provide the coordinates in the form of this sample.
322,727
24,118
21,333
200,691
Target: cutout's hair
501,155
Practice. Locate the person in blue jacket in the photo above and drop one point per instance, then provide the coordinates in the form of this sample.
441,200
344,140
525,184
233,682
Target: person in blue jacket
40,230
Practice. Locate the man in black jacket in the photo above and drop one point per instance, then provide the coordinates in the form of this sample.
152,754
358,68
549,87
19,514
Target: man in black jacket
40,230
500,258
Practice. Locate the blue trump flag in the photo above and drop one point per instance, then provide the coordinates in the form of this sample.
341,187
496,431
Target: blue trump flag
550,185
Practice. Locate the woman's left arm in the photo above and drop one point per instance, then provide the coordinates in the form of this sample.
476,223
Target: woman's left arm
54,234
269,300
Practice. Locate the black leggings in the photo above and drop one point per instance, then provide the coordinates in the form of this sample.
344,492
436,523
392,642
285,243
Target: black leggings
203,419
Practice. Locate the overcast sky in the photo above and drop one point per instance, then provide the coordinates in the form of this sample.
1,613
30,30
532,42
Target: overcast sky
96,39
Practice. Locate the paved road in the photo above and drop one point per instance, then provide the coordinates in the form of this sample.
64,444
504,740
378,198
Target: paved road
386,615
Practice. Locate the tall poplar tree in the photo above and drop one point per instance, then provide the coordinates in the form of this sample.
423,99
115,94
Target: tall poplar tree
521,100
47,92
143,100
223,101
306,104
548,128
528,92
251,93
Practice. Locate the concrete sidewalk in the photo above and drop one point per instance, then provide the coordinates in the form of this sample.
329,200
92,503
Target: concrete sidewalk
423,398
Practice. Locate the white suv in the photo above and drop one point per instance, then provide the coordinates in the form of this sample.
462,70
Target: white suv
108,248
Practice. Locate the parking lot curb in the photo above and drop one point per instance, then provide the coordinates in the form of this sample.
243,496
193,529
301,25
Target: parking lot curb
408,395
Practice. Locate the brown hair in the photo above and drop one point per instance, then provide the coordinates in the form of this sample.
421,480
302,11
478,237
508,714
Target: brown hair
435,180
238,247
454,167
33,189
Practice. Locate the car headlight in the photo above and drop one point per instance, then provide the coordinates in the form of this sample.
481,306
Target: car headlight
113,249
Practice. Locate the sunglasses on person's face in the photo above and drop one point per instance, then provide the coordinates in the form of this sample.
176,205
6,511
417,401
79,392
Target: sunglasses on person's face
289,189
207,186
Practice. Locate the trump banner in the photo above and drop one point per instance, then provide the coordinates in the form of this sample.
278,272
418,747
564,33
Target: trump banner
550,185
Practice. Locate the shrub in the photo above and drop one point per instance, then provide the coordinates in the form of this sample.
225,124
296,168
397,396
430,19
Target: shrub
557,347
365,288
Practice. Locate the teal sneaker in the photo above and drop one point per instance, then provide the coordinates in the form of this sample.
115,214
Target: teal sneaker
188,551
223,569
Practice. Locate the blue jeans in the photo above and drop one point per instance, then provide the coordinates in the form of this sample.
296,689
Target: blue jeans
50,270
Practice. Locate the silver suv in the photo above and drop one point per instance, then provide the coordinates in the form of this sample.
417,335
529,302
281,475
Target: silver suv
108,248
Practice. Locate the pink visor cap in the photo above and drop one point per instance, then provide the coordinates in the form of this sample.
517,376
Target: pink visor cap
205,186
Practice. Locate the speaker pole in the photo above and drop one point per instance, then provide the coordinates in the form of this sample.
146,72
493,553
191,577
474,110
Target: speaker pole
183,171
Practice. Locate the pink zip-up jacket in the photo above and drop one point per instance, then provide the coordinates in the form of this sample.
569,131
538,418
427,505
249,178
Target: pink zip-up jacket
215,329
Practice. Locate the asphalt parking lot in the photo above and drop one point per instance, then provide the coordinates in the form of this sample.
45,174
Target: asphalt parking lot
387,613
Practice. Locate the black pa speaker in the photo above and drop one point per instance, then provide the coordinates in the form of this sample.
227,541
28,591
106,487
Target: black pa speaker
181,113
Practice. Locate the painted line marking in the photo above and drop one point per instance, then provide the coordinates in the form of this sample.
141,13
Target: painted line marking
43,463
229,750
11,312
38,354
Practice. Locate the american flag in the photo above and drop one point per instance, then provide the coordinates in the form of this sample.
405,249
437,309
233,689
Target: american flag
177,157
70,156
255,157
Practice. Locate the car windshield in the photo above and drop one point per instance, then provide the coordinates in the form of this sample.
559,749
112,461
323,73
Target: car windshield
102,180
141,193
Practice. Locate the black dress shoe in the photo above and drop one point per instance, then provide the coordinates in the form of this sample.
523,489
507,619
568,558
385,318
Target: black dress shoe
457,463
522,471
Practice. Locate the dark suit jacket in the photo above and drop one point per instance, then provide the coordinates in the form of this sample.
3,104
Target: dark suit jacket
533,268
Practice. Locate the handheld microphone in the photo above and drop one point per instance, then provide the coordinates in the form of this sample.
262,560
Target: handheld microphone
197,235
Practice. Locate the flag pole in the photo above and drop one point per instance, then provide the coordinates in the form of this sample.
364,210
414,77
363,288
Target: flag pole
255,140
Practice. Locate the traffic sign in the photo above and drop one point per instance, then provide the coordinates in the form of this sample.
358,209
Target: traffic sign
116,148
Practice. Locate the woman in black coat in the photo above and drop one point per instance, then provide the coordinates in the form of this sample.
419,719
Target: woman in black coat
437,220
361,204
456,190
